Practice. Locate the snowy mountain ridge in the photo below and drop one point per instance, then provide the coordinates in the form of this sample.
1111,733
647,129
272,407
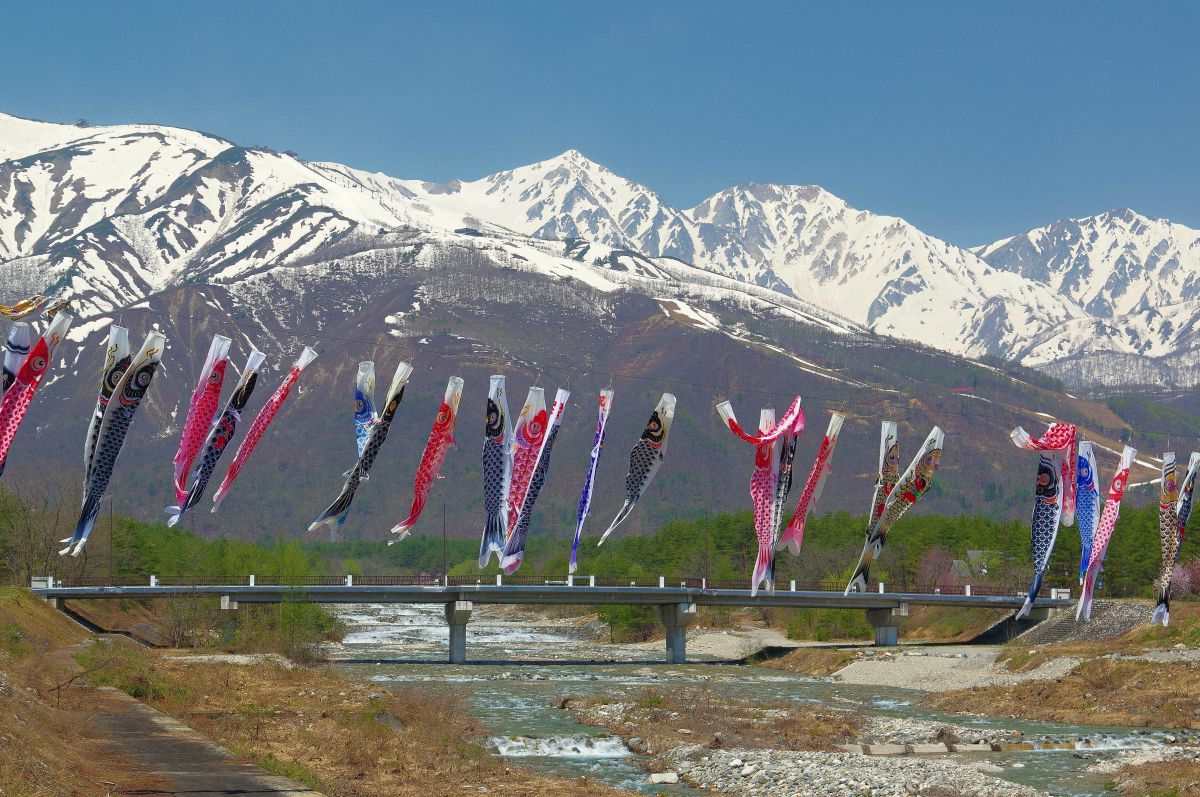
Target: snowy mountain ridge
116,213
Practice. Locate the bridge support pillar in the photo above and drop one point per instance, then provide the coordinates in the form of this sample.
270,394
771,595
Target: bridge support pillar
887,624
457,615
675,618
228,603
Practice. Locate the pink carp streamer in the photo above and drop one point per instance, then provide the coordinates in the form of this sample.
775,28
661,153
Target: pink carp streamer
441,440
768,482
1168,532
201,410
16,400
259,427
1104,532
793,536
1059,437
528,436
514,549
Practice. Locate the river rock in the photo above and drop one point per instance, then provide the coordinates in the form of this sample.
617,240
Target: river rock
664,777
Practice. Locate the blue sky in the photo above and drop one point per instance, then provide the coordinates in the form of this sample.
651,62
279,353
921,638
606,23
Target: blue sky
972,121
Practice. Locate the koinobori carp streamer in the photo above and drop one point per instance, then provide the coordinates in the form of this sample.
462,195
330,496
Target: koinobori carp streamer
770,480
220,435
259,427
589,478
118,416
335,514
528,435
116,362
201,409
1104,532
1060,438
16,349
793,536
1183,509
888,474
364,404
23,308
514,549
1168,533
16,400
645,459
497,470
1087,504
441,440
911,487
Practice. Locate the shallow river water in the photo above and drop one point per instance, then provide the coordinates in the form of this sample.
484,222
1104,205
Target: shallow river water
523,667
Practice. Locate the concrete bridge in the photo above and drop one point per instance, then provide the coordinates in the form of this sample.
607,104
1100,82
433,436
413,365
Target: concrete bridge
676,605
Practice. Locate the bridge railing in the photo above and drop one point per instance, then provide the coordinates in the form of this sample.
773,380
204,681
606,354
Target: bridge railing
689,582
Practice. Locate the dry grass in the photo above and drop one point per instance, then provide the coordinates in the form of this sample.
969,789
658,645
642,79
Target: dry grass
1112,692
344,737
49,747
938,624
811,660
657,717
1160,779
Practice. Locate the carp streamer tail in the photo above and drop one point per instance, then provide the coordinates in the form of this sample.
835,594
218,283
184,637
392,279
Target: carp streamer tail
793,536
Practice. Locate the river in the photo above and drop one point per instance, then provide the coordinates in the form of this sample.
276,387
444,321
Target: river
521,666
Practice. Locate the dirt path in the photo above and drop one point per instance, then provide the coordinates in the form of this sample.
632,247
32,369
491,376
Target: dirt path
191,764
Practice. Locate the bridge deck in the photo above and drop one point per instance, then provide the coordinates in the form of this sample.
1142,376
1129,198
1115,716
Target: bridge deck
676,606
550,594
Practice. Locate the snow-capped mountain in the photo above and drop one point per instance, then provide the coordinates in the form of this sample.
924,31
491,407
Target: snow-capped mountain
878,271
1138,280
117,213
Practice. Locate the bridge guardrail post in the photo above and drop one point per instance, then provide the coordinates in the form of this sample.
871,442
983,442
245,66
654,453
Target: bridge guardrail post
662,582
570,580
881,588
349,579
252,579
499,580
591,581
154,581
792,585
967,590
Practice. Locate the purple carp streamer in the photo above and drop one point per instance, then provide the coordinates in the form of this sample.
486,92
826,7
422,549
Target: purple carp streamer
1183,509
201,410
118,416
219,437
1104,532
19,395
514,550
364,404
771,480
16,349
1168,532
23,308
116,361
259,427
1087,504
589,478
911,487
441,440
793,536
335,514
497,471
645,459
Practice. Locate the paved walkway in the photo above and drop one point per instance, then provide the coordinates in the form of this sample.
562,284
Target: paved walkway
192,765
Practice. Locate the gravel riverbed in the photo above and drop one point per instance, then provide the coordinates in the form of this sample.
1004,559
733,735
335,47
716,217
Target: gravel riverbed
758,773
